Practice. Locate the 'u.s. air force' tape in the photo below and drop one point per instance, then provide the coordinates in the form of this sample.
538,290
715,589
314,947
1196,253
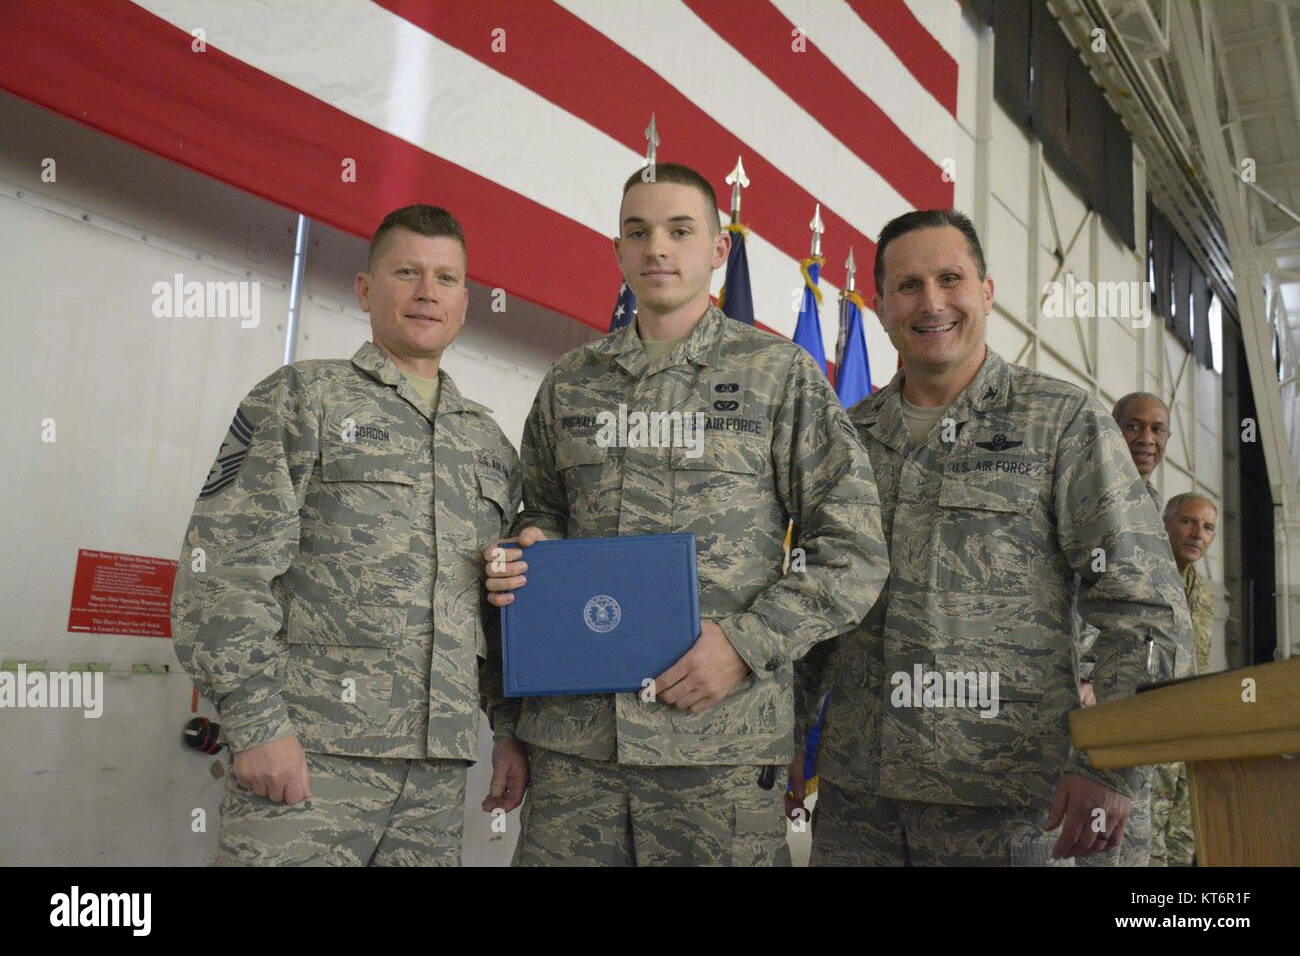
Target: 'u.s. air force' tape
231,456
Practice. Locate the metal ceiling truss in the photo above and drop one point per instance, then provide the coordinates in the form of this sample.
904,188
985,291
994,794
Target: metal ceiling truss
1164,69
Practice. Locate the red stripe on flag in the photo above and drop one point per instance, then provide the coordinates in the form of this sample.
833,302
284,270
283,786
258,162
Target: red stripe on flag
765,37
921,53
580,70
116,67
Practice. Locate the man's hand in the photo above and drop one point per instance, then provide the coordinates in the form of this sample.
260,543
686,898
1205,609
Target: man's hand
275,770
509,776
1087,696
705,674
1076,801
795,797
505,570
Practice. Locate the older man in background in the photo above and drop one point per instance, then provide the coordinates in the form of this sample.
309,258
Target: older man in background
1191,521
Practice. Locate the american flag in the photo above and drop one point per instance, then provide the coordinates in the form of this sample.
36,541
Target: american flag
524,118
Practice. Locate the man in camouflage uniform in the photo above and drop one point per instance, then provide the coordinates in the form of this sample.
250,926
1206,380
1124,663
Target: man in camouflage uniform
998,486
697,775
1191,520
329,593
1143,420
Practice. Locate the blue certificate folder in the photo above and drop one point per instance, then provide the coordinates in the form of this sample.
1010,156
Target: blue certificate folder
599,615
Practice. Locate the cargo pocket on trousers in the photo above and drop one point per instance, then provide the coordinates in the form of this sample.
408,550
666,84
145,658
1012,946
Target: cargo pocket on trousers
758,826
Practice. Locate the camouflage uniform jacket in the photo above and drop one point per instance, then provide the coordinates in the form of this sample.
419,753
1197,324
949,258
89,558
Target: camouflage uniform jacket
777,445
1201,604
1088,634
329,607
986,534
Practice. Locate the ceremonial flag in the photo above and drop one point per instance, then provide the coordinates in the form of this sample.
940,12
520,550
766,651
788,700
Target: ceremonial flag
808,330
735,298
853,370
624,308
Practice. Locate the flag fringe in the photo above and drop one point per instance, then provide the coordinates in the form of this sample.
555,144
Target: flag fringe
856,299
804,265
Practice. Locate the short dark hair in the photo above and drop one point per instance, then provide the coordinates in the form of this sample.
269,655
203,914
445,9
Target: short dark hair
683,175
429,221
926,219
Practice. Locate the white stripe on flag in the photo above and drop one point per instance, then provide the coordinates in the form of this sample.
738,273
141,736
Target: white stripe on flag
684,50
877,71
385,71
942,20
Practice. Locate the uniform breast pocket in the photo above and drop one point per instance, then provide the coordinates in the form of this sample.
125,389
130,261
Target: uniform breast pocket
986,533
581,464
492,510
360,483
716,488
358,525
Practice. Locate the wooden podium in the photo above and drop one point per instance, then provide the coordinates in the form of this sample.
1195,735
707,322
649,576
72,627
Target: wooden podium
1245,793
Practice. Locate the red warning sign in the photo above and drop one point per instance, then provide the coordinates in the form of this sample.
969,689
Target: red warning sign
122,594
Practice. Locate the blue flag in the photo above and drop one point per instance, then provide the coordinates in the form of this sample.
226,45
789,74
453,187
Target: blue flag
808,331
814,741
624,308
853,376
736,298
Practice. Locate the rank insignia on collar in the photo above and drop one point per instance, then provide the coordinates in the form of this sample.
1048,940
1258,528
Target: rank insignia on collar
999,443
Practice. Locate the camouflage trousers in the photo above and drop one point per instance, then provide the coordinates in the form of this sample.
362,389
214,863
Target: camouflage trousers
363,812
1173,842
1136,848
581,812
850,828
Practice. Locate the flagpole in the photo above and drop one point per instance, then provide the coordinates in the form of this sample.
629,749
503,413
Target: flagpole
850,269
